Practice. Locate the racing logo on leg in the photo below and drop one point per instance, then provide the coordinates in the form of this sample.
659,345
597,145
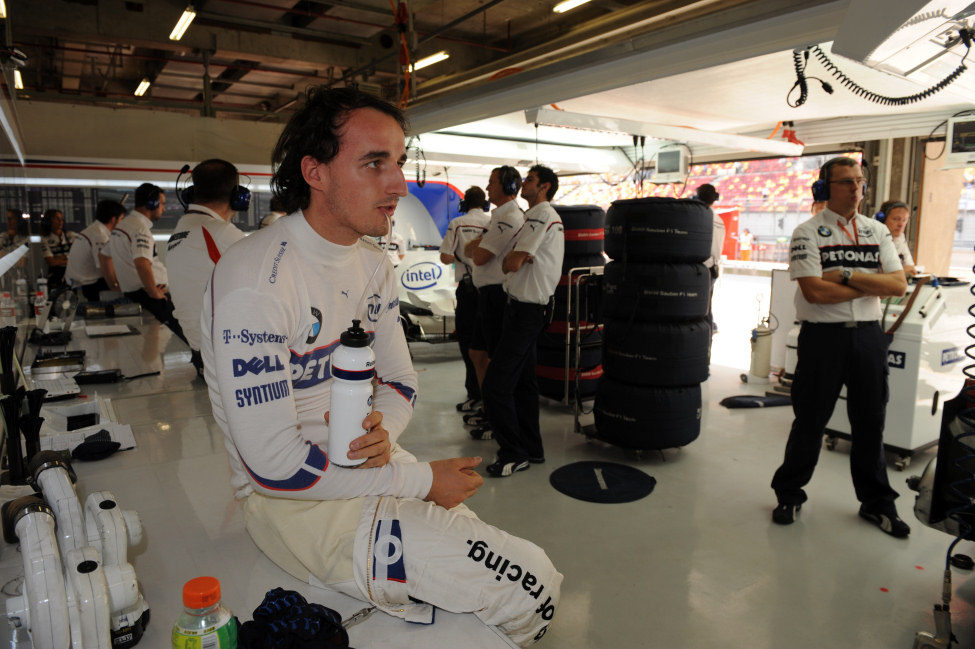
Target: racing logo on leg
387,554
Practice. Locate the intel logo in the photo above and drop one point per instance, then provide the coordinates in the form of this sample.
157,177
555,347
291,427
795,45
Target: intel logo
421,275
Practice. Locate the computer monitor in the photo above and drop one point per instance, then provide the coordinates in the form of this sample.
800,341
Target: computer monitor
960,142
671,166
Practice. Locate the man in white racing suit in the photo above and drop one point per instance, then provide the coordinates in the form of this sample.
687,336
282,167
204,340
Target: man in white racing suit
393,531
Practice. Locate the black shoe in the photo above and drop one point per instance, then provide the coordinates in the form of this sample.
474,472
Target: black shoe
888,522
502,469
482,432
475,419
537,460
470,405
784,514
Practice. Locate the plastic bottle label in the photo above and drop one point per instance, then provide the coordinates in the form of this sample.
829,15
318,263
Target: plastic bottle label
224,637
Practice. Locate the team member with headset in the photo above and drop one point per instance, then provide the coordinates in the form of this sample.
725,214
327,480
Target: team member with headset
470,224
895,215
488,252
532,271
201,236
55,245
844,263
129,260
83,269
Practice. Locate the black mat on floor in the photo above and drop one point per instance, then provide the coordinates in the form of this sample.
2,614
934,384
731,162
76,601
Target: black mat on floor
753,401
602,482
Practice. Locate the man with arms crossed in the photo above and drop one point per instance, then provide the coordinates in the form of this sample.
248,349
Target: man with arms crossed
844,263
393,531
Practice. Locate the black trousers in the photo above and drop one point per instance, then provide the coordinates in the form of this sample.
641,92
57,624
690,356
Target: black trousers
464,317
162,309
829,357
91,291
491,304
510,387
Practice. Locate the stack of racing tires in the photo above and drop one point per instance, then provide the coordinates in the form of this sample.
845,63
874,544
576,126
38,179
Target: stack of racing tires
656,334
556,366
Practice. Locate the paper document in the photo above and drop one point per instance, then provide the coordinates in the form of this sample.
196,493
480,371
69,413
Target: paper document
121,433
106,330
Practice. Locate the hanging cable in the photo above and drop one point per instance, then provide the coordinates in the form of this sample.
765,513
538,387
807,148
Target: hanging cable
413,144
964,34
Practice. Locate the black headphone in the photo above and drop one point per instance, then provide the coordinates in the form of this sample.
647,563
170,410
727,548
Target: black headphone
510,180
240,196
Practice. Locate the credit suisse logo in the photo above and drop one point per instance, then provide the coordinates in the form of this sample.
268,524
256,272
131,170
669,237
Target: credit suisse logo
421,275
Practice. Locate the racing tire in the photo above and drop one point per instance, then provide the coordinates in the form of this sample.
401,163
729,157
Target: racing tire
553,336
659,229
583,227
656,291
657,353
552,379
646,418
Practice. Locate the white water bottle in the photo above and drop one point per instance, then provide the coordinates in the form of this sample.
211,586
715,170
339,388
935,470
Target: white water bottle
353,366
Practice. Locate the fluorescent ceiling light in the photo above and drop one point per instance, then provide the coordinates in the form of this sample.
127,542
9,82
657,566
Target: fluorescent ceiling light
143,86
183,23
568,5
730,141
430,60
18,80
3,9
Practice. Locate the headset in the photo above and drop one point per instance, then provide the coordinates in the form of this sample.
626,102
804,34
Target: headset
153,203
510,180
890,205
240,196
820,188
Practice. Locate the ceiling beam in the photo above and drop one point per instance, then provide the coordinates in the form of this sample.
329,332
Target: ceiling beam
740,33
108,22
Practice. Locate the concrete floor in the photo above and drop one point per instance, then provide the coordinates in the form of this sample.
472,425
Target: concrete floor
697,563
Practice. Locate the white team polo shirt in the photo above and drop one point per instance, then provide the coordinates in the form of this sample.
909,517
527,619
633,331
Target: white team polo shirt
83,267
903,250
820,245
505,223
132,238
462,230
200,238
543,238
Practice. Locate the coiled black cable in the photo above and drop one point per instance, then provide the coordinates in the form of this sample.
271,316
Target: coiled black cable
884,100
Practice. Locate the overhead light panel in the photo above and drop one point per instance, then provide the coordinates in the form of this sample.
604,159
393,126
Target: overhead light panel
143,86
18,80
732,141
183,23
430,60
568,5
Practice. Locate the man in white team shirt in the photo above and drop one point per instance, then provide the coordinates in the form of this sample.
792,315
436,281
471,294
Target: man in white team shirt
83,269
487,252
895,215
844,263
130,259
201,236
467,226
393,531
532,271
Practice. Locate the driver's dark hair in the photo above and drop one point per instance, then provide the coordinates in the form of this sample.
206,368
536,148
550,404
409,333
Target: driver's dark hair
314,131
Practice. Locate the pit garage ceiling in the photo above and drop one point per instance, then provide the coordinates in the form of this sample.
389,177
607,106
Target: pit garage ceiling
709,64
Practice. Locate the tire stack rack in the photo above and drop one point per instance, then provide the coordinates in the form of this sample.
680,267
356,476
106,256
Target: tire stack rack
570,347
657,331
